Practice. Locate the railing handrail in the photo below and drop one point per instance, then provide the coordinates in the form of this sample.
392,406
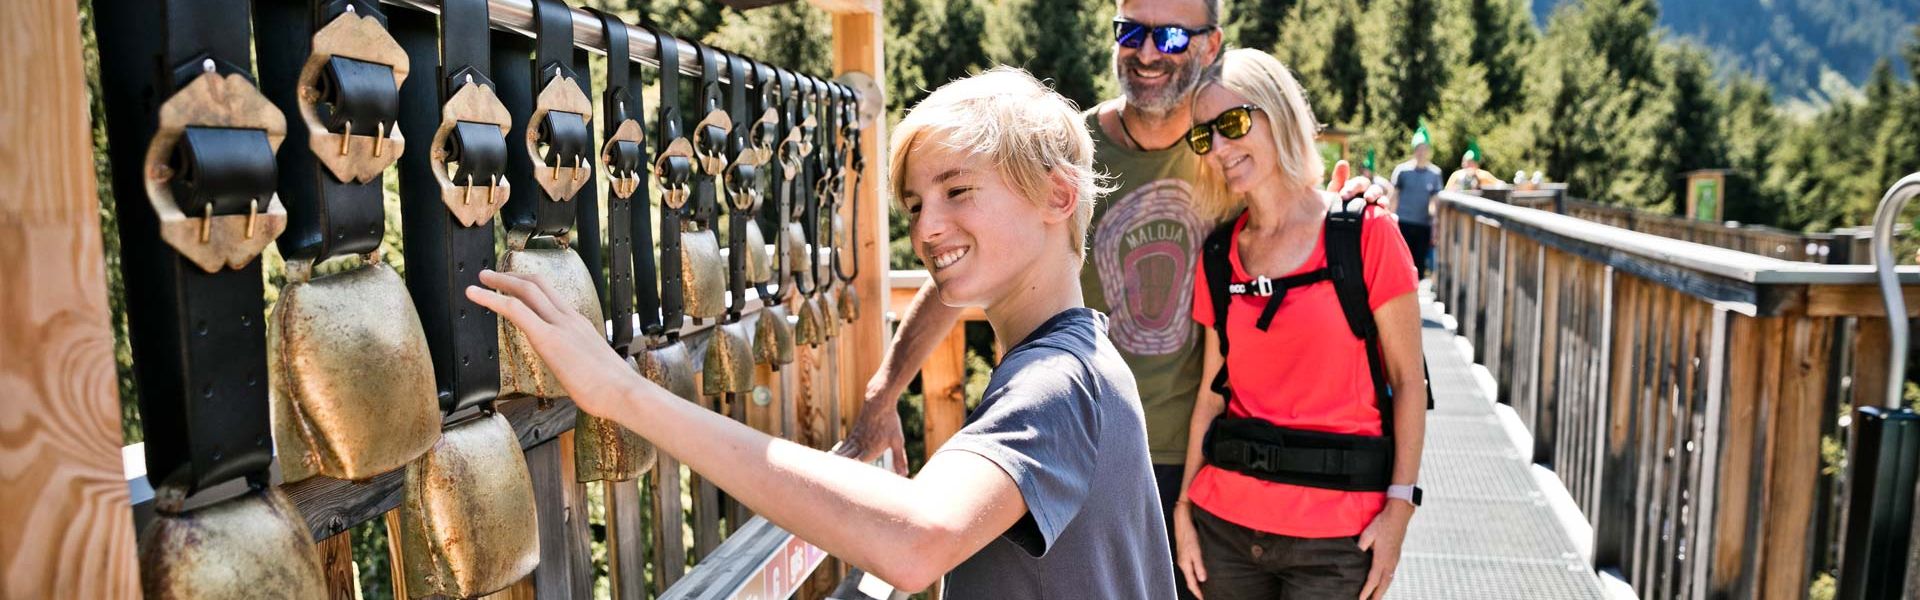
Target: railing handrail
1731,264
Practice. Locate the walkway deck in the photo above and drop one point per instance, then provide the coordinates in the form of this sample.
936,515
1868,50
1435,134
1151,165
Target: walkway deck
1486,531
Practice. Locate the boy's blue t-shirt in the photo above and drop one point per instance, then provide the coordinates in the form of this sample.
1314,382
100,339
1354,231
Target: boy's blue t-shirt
1062,417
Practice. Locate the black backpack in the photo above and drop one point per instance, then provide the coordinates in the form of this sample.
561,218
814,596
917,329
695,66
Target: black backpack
1346,273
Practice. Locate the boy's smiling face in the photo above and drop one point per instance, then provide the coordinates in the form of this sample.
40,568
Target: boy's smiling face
972,230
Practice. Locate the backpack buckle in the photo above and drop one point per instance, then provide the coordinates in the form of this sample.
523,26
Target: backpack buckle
1261,286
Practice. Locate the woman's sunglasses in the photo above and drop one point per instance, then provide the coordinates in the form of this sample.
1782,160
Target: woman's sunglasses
1234,124
1168,39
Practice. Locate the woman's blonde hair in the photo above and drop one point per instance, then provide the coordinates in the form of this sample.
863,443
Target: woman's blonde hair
1030,133
1266,83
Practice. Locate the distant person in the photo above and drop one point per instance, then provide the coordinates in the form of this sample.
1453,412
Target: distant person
1047,492
1470,176
1414,184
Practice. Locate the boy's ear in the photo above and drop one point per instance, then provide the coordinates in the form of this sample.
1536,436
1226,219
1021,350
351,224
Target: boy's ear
1061,200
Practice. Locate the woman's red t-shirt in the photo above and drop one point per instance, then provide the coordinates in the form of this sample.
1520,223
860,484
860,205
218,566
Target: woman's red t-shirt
1307,371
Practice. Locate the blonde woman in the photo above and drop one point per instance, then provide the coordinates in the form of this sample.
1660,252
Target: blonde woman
1302,455
1047,491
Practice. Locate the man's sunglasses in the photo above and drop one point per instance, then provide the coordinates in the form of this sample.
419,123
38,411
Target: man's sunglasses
1234,124
1168,39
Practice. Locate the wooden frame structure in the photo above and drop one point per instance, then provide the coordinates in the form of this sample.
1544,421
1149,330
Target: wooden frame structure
66,528
1679,390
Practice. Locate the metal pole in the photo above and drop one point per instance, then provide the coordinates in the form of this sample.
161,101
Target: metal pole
1884,219
517,16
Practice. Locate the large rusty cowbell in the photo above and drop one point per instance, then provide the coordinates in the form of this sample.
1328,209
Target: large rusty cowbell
605,451
522,371
468,524
352,378
245,547
728,368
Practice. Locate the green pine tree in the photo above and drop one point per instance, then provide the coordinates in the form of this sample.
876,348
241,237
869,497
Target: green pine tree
1066,43
1405,86
1257,23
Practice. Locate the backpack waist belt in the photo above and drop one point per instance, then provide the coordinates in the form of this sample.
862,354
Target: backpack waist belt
1319,459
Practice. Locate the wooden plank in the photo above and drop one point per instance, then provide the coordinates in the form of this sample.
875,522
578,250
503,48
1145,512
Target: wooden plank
579,528
551,578
626,546
1752,343
1795,460
943,385
336,563
669,523
65,530
1872,340
1857,300
396,556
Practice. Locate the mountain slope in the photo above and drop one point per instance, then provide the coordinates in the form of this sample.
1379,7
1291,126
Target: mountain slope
1790,43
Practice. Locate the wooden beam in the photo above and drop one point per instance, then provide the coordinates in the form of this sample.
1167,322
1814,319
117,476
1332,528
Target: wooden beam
858,31
65,527
626,550
846,7
1856,301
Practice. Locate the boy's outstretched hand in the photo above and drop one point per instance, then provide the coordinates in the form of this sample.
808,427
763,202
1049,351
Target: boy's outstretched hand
573,348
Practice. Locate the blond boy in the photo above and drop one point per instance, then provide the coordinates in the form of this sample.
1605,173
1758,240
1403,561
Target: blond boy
1047,492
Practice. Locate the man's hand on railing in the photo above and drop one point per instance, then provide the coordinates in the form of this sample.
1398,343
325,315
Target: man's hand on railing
876,431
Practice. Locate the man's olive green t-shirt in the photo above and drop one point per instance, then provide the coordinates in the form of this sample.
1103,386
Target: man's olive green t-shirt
1141,251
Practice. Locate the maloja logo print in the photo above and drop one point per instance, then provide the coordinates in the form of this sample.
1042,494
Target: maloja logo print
1145,248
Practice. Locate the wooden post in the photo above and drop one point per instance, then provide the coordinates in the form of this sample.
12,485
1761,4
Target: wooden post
336,561
857,35
65,527
943,386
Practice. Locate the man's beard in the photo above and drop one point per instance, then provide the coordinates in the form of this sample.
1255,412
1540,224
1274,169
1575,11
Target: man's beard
1182,78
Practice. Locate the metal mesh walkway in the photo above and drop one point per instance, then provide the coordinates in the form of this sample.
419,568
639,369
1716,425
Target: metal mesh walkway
1486,531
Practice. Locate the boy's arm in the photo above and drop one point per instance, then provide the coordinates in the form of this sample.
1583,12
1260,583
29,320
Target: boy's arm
877,429
908,532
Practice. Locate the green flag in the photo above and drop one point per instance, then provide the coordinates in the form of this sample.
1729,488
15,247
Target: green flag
1367,163
1473,151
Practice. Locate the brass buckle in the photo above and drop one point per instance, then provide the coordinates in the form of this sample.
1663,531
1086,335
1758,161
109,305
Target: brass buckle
624,183
712,161
352,158
474,103
213,100
562,94
674,193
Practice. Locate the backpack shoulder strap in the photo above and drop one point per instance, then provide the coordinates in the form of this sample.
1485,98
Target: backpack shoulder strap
1348,270
1219,273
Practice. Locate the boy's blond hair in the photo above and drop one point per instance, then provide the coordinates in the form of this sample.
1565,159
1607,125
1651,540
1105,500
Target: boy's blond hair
1030,133
1266,83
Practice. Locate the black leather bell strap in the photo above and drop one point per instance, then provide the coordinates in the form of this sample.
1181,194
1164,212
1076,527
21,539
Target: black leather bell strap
676,173
568,141
708,140
198,337
809,209
327,216
851,159
626,160
444,256
773,86
821,174
741,177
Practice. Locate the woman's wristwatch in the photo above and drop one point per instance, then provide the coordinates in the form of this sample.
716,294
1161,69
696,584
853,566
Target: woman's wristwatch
1409,493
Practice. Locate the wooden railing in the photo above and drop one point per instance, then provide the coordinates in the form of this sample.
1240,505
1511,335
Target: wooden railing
1681,391
1752,239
